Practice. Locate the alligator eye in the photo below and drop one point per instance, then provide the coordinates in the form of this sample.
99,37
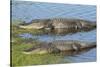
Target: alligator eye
76,27
75,47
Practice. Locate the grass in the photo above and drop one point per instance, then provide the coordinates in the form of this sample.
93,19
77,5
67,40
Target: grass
19,44
20,59
16,30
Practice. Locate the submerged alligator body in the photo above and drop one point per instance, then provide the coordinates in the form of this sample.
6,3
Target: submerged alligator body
60,46
59,23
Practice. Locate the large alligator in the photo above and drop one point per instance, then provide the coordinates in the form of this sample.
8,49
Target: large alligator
59,23
60,46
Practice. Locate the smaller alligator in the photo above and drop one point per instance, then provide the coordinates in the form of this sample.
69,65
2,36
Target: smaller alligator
59,46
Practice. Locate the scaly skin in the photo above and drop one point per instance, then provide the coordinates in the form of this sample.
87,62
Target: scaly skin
59,23
60,46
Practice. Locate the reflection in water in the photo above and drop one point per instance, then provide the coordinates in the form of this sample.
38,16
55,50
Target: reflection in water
74,53
63,31
84,36
88,56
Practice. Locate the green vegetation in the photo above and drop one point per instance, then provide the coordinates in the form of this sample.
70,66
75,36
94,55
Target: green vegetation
19,44
20,59
16,30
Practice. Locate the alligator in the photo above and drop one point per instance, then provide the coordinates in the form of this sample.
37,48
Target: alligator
59,46
59,23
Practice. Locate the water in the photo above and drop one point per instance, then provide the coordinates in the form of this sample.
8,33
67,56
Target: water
34,10
83,57
81,36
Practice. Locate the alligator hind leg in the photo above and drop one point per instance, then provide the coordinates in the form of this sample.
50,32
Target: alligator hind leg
76,47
